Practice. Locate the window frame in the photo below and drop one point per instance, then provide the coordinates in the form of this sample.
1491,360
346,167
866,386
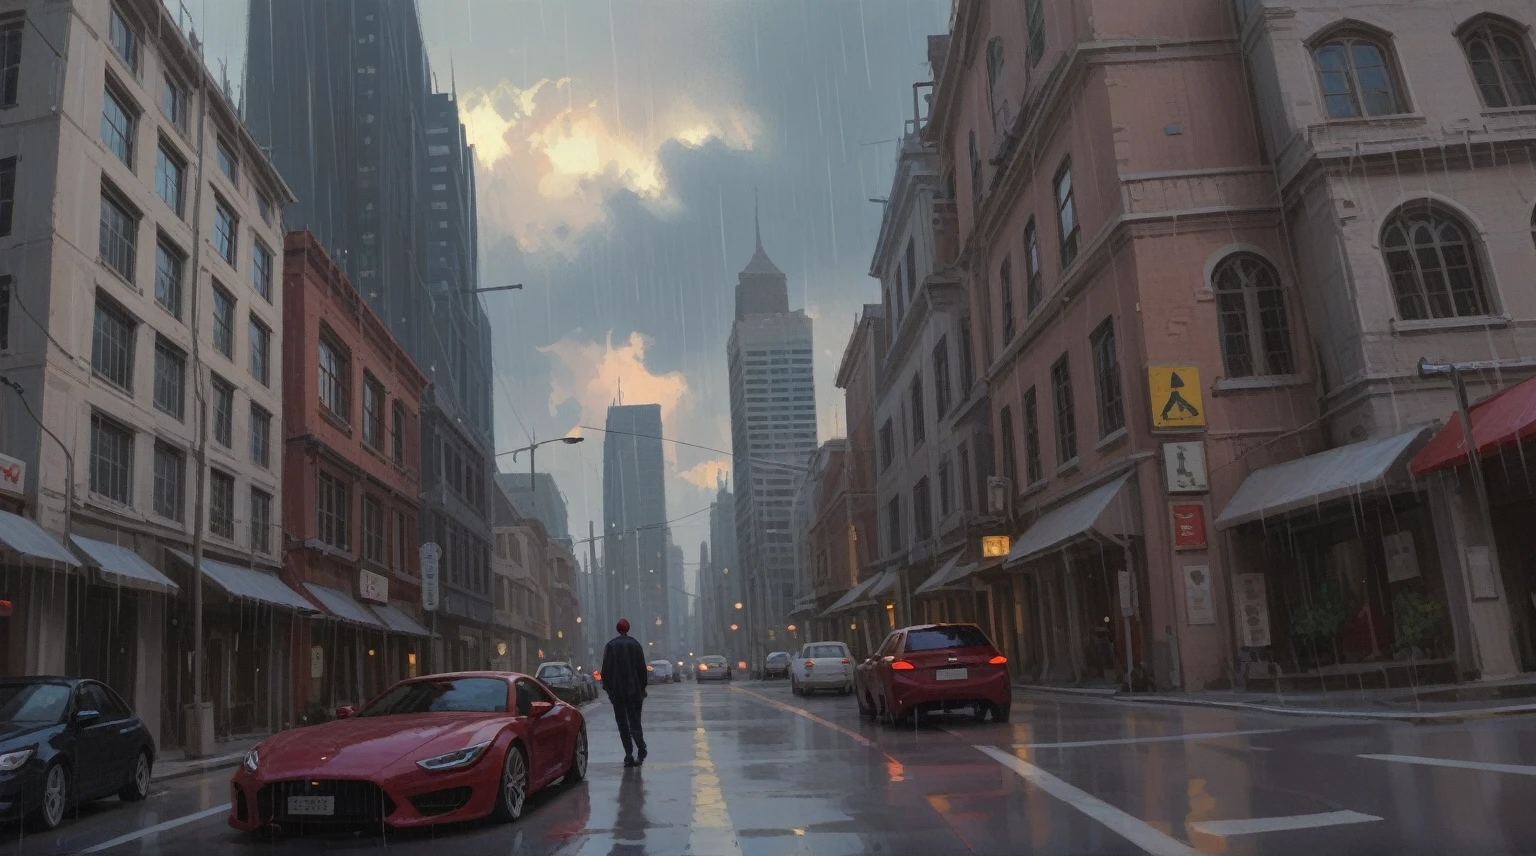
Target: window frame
1345,40
126,136
1034,27
374,538
261,269
101,422
373,417
1008,462
169,291
169,355
398,419
173,102
1404,218
167,159
922,510
261,446
222,410
1109,391
919,409
7,284
11,35
7,194
997,99
261,524
110,309
335,379
1034,294
221,503
170,507
333,511
1005,297
1034,465
1490,28
1240,298
1066,212
941,389
224,328
260,357
125,234
226,161
226,232
119,28
1065,410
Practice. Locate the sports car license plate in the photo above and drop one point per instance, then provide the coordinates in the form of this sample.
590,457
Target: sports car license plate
312,806
950,675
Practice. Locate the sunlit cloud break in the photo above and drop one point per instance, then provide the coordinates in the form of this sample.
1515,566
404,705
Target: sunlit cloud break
593,373
548,165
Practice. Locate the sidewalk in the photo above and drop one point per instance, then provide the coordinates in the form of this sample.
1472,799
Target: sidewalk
173,763
1439,703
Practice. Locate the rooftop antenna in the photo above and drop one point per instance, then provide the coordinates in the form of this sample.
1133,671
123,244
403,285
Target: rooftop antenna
621,392
757,225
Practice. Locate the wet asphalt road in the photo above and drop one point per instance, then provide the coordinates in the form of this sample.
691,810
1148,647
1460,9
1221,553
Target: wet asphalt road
750,769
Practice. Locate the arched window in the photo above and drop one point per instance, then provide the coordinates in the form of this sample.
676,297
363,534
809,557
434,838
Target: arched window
1357,77
1250,314
995,85
1434,265
1501,63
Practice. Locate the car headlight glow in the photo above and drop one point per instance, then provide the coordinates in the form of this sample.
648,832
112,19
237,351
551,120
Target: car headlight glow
13,760
454,760
252,761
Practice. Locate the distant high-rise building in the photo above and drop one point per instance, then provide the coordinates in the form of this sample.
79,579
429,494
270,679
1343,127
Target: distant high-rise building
544,502
636,541
677,606
723,582
773,419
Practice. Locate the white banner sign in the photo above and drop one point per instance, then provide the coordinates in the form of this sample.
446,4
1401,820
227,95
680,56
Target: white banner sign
1198,608
13,475
1253,601
1184,465
430,554
1402,558
1127,594
317,662
372,586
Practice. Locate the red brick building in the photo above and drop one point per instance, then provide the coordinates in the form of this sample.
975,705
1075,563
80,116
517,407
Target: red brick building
351,481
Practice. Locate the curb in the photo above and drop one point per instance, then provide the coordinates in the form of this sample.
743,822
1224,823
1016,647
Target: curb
192,768
1420,717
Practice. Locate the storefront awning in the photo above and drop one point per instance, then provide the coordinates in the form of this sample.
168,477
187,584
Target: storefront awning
122,566
20,535
804,606
398,620
861,592
249,584
1503,419
1106,510
1337,473
340,605
948,572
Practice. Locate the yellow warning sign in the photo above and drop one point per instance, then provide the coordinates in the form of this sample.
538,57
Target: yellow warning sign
1176,399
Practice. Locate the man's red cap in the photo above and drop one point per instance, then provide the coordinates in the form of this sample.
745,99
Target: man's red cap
623,625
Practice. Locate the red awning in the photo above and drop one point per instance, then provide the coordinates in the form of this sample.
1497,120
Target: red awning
1503,419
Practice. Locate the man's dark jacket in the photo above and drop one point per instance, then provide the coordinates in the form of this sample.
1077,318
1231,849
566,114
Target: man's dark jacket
624,676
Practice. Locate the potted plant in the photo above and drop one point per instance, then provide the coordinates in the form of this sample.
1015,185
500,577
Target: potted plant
1418,624
1316,626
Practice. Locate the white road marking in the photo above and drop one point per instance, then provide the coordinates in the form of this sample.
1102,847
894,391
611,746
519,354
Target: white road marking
1485,766
1133,829
1125,741
1254,825
159,827
800,711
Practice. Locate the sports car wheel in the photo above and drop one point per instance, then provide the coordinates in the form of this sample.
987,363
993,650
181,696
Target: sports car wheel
137,787
50,811
578,769
514,787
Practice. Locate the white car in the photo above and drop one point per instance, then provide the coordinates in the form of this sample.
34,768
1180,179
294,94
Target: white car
661,672
821,666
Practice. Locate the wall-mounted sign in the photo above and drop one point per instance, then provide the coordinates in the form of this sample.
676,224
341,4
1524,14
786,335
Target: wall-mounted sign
1127,594
1198,608
993,546
1184,465
372,586
1480,571
1176,398
1253,603
13,475
1402,558
430,554
1188,526
317,662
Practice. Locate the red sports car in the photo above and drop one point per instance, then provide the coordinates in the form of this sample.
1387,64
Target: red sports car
934,667
437,749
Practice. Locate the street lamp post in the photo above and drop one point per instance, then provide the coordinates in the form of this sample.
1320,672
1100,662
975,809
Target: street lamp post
533,447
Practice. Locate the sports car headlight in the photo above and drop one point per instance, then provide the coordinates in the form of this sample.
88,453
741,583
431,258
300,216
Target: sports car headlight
252,761
454,760
13,760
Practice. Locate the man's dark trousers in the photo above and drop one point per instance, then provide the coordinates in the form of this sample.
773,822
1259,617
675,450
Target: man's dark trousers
627,713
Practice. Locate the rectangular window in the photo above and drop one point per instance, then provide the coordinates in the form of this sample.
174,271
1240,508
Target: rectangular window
223,412
170,378
112,344
1034,469
168,177
1066,417
7,192
398,435
10,62
334,512
1066,214
967,361
111,459
1034,23
893,524
941,377
223,321
887,445
1106,375
264,208
221,504
1005,285
1010,460
173,100
261,436
226,232
169,265
124,40
373,529
261,521
261,351
170,482
335,384
1034,289
5,313
400,561
261,270
119,232
915,406
118,124
228,163
965,477
373,412
922,510
946,487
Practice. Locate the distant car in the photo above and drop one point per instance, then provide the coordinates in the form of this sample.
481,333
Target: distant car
67,741
712,668
934,667
588,683
562,681
660,671
776,666
822,666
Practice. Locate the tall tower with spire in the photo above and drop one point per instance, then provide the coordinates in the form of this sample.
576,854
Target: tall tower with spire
773,433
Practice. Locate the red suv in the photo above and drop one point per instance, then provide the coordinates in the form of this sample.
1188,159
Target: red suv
934,667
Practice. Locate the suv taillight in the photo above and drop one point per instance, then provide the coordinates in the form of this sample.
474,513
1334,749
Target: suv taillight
902,666
846,661
998,660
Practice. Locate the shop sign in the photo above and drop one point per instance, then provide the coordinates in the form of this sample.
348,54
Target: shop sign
13,475
1480,570
1188,526
1198,608
1253,601
1176,399
993,546
372,586
1127,594
317,662
1184,465
1402,559
430,554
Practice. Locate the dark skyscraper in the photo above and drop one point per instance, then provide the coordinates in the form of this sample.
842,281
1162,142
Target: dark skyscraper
636,542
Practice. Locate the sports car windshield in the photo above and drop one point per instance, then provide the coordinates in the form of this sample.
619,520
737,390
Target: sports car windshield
32,702
474,695
551,672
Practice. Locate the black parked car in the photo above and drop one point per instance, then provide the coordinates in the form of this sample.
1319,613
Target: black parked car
65,741
563,682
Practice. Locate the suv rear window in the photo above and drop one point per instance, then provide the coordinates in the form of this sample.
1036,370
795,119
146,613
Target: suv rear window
819,651
954,636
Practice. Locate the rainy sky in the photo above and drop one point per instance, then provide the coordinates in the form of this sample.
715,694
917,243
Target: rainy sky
619,144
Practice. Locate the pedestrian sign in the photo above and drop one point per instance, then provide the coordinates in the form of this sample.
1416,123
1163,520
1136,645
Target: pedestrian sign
1176,398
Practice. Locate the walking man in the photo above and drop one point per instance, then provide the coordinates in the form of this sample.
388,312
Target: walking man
624,680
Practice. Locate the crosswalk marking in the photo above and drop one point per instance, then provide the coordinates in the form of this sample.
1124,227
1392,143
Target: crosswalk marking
1252,825
1165,738
1485,766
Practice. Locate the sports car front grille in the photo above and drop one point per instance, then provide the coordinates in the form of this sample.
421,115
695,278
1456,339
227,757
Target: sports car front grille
356,801
440,802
